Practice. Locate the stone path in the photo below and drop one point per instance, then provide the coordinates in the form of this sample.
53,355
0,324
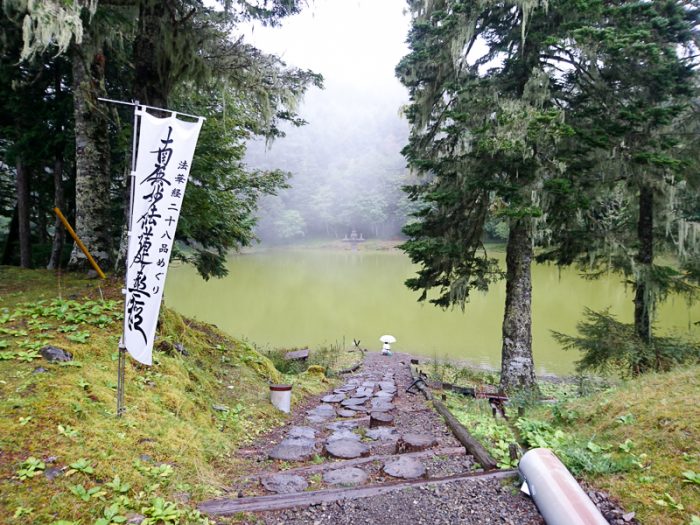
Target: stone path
356,451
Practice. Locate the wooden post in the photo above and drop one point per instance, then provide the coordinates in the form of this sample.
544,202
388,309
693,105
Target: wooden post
79,243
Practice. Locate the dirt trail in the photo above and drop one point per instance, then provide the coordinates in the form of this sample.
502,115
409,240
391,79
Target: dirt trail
333,464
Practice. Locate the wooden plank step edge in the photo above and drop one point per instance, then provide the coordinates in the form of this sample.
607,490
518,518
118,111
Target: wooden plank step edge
224,507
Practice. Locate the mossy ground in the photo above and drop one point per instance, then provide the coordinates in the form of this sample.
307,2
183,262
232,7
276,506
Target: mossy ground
171,444
639,440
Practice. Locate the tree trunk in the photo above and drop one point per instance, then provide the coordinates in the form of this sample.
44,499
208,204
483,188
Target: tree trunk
92,159
23,206
120,262
517,367
59,234
645,256
150,86
643,300
8,254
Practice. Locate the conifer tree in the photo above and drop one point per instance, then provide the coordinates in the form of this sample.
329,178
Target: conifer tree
484,135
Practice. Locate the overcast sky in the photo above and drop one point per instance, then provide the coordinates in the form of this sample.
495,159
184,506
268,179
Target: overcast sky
353,42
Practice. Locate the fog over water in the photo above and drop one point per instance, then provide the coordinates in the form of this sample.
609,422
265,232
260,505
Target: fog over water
346,165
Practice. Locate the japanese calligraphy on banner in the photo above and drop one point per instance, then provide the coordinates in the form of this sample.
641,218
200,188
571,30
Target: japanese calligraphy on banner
165,150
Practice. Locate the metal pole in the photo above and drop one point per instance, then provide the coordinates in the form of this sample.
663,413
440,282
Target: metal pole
136,104
121,366
120,380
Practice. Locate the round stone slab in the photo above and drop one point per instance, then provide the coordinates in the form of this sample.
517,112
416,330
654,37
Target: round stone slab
354,401
383,394
293,449
405,468
346,477
347,449
380,419
334,398
415,443
343,434
344,412
382,434
285,484
340,425
302,432
321,413
382,407
363,392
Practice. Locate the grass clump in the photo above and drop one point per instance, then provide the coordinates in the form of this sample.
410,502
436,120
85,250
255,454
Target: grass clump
638,440
652,424
64,455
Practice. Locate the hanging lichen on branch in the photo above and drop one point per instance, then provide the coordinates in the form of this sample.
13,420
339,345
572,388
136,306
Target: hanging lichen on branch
47,23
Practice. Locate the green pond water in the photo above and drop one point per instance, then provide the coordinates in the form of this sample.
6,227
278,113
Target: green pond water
297,298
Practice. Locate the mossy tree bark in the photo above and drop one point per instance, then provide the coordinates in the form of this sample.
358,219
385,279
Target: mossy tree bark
23,212
59,236
517,368
92,159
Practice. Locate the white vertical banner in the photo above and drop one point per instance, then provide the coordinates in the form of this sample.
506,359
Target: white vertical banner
165,150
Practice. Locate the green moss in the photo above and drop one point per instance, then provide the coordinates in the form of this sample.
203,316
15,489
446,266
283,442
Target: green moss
170,440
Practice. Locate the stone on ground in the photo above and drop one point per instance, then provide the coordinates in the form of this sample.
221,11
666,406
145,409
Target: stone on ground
382,434
53,354
293,449
339,425
354,401
344,412
301,432
321,413
334,398
343,434
380,405
345,476
347,449
285,483
415,442
380,419
358,408
405,468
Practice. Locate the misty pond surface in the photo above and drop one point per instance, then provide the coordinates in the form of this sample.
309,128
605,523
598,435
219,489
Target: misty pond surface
283,298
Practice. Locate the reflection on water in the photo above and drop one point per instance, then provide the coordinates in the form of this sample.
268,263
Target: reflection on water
292,298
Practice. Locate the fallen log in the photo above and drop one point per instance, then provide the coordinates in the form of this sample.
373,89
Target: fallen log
464,437
472,446
297,355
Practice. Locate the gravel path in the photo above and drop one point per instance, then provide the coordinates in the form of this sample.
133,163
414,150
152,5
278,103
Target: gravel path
314,431
330,464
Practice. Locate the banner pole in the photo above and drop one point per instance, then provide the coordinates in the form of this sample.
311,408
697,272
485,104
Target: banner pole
121,366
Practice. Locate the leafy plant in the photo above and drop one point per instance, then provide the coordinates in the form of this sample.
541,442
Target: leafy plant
88,494
67,431
118,486
627,446
30,467
79,337
691,476
82,465
161,511
110,516
669,501
24,420
22,511
28,356
627,419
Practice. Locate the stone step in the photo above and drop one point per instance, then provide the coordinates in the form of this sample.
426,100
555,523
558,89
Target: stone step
228,506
